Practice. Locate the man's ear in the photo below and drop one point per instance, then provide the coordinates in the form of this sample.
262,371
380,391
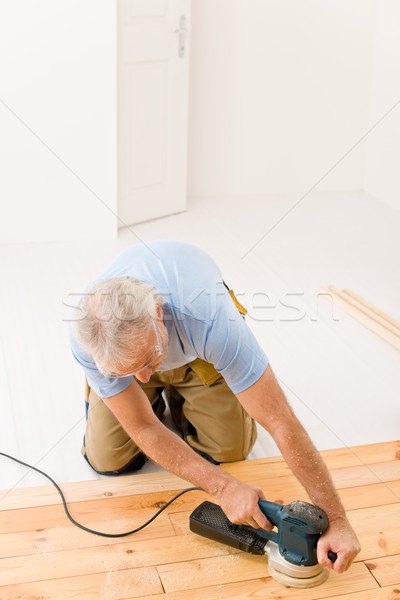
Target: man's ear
160,311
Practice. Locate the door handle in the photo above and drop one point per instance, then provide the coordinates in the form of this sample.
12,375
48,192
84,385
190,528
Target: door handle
182,32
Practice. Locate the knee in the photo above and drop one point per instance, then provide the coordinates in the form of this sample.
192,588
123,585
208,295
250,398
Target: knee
233,454
112,463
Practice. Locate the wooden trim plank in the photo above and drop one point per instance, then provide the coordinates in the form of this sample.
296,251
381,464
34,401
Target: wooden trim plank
372,314
373,308
359,316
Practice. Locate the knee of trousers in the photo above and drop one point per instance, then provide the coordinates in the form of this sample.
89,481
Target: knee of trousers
106,460
226,450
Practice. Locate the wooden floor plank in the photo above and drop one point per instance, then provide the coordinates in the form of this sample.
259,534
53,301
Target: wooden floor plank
54,539
67,563
44,556
378,530
387,593
373,473
99,489
395,487
90,513
367,454
358,579
124,513
349,476
386,570
285,490
118,514
133,583
366,496
274,488
263,590
273,485
207,572
130,485
110,585
118,517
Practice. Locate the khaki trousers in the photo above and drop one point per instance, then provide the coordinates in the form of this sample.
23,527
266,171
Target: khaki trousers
210,417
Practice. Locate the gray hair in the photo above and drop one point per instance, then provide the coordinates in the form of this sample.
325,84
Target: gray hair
110,320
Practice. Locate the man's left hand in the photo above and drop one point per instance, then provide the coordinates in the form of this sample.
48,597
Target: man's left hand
341,539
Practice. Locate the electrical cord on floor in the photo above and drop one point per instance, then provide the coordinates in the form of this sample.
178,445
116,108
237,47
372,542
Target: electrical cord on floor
110,535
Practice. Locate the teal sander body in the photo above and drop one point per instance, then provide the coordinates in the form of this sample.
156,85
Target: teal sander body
292,549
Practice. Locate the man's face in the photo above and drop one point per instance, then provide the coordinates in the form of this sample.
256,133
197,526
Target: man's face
157,343
151,355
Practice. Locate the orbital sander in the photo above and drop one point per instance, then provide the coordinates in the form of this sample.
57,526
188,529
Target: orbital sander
291,550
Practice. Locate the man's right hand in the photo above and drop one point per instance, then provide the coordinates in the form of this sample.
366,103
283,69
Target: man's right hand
239,501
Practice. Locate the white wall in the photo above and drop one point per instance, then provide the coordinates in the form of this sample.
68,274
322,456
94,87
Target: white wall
279,92
383,155
57,97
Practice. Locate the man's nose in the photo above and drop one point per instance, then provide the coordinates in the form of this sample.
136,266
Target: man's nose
144,376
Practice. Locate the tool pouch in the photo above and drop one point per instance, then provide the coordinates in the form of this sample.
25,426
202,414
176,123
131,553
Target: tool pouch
236,302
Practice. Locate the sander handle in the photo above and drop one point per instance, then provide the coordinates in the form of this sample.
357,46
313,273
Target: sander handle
332,556
271,510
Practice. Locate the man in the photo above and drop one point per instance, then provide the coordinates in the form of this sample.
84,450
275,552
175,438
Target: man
160,318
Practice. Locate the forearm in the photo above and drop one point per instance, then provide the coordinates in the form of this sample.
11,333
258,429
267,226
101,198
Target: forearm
266,403
133,410
306,463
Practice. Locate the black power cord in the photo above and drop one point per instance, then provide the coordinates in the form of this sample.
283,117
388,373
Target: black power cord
109,535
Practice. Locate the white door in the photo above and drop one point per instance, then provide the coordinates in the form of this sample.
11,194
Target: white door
153,86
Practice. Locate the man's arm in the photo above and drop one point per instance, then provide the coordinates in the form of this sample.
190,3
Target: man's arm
266,403
238,500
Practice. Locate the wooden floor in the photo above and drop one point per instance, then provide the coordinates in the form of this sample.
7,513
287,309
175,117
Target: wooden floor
44,556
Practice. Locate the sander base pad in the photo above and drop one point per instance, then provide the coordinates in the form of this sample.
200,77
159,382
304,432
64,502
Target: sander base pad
297,582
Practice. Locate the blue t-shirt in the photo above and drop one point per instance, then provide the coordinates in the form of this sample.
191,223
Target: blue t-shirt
200,317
